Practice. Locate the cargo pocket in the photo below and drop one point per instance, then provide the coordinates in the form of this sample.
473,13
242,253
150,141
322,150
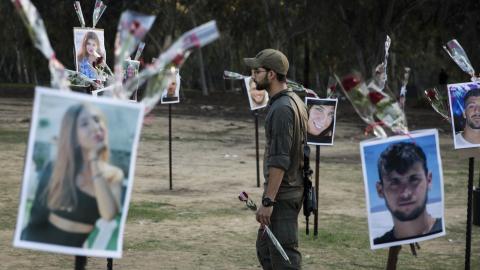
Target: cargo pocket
286,232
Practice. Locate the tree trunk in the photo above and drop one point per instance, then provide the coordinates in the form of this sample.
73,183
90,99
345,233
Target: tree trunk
292,61
271,35
200,62
318,85
306,70
25,70
202,73
231,82
19,64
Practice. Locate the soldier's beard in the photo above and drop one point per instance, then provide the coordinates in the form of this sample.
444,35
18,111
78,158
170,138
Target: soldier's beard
263,84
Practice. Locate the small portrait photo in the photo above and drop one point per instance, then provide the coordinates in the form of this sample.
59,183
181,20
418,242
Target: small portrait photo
78,174
256,98
130,69
464,101
171,94
321,120
404,188
89,51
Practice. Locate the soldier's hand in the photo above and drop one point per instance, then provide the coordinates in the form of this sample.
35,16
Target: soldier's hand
263,215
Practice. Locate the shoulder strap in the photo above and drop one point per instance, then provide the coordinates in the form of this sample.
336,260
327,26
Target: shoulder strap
304,129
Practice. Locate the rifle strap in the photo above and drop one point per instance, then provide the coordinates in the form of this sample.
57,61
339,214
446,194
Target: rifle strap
306,148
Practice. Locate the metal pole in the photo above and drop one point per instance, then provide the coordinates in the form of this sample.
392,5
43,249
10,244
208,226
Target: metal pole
468,242
393,257
476,204
317,181
80,262
109,263
255,114
170,143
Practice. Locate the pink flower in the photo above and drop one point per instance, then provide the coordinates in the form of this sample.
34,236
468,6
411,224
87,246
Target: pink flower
243,196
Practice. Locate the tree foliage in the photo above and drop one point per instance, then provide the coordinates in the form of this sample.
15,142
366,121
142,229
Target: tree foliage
318,37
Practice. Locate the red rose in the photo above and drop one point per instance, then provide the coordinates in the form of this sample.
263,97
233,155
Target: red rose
97,62
375,97
350,82
431,93
134,27
178,59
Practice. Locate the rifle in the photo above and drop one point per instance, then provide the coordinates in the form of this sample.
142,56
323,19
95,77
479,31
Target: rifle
309,199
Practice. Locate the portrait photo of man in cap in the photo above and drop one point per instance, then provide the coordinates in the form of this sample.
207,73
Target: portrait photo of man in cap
285,131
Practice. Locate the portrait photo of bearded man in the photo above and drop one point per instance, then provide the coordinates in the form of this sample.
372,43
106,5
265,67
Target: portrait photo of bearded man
404,189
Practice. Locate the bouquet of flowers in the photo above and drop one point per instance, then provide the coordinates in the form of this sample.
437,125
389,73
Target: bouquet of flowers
438,102
403,88
103,70
98,11
37,32
132,28
78,11
77,79
458,55
140,48
388,111
167,64
371,102
357,93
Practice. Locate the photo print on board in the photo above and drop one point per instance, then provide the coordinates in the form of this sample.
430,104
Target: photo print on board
130,70
89,48
256,98
78,174
171,94
404,188
464,102
321,120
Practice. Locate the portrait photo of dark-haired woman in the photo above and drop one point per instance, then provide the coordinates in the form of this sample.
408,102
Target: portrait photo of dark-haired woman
321,121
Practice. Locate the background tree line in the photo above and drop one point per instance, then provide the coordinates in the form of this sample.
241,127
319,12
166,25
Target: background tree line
318,37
